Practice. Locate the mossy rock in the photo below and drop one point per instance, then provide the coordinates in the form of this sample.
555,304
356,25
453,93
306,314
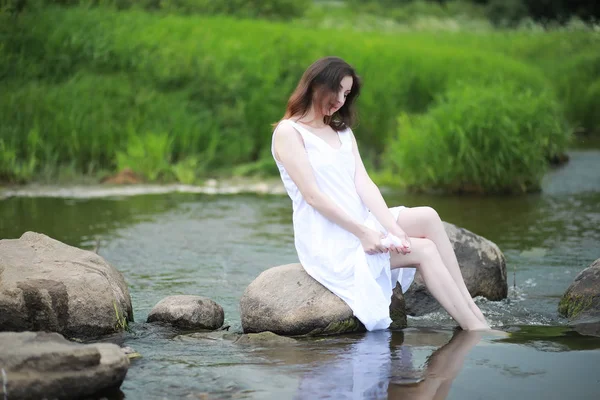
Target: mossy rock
581,301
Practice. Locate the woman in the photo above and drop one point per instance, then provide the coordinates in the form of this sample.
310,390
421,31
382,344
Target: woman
340,216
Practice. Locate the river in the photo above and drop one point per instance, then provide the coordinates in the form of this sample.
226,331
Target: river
215,245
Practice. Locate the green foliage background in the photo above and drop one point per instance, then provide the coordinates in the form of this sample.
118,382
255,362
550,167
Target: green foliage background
179,97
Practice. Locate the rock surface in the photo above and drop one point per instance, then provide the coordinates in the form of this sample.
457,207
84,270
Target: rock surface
188,312
287,301
581,301
38,365
261,339
46,285
482,264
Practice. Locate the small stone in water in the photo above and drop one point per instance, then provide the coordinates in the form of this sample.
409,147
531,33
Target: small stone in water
130,353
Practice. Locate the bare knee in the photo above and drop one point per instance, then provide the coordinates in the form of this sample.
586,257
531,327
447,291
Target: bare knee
424,254
428,249
430,216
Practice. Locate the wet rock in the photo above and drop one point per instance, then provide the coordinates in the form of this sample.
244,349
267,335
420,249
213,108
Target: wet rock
287,301
39,365
482,265
213,336
263,338
581,301
188,312
130,353
46,285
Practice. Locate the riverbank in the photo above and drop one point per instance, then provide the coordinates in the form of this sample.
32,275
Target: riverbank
92,191
92,91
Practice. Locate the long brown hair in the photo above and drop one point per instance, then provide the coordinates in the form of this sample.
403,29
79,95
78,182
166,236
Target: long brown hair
319,83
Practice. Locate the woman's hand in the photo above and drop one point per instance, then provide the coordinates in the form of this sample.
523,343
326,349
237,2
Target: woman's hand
371,241
405,248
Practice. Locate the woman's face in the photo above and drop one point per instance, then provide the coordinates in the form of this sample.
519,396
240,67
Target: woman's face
337,100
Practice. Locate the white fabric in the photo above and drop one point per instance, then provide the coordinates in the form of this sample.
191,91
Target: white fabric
390,240
328,252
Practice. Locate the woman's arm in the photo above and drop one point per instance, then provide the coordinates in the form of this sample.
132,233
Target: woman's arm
371,196
290,151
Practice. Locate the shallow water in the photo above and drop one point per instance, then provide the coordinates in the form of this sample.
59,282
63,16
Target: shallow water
178,243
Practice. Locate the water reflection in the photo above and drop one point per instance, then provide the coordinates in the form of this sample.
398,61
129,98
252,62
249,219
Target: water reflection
381,365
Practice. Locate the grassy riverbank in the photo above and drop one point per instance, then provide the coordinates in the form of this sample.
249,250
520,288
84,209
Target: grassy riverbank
182,98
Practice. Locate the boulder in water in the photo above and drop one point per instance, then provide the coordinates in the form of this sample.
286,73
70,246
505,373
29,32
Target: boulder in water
287,301
188,312
482,265
46,285
581,301
40,365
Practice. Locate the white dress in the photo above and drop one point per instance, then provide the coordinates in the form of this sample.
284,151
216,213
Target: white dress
328,252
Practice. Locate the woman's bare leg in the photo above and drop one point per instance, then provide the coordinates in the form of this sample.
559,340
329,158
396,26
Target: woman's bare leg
425,222
425,256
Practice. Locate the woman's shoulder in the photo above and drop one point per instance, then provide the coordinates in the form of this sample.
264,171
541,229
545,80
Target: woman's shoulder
286,132
347,131
284,126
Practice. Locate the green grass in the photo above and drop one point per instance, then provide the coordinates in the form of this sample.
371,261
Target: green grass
479,139
180,97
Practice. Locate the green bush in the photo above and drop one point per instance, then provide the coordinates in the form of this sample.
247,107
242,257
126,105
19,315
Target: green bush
278,9
479,139
148,155
568,58
506,12
213,85
13,169
577,81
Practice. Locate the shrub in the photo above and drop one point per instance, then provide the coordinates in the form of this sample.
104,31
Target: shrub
213,85
148,155
577,81
479,139
506,12
278,9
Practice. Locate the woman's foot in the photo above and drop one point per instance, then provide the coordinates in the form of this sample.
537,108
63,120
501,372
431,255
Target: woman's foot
479,327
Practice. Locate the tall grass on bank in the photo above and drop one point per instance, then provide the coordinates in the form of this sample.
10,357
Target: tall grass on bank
568,57
479,140
273,9
567,54
92,81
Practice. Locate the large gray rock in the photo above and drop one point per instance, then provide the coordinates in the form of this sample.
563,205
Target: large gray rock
46,285
287,301
188,312
39,365
581,301
482,265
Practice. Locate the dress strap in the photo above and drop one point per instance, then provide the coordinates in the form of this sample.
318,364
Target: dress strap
346,137
309,138
302,130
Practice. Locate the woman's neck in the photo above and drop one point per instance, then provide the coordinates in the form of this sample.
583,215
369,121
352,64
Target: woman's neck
313,119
